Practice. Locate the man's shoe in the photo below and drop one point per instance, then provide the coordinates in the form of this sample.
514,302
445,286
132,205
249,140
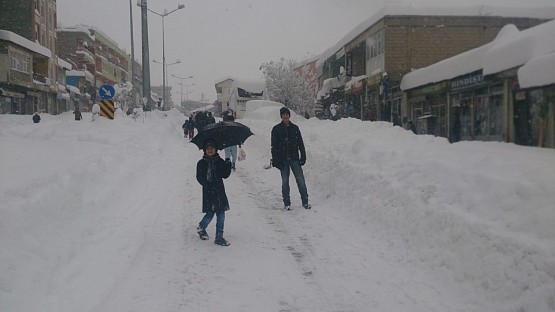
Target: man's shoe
288,207
221,241
202,234
307,206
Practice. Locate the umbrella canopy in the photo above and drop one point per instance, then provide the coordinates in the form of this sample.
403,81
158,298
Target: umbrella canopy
224,133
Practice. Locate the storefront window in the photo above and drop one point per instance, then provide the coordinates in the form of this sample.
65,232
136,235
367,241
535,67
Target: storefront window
480,116
466,118
495,115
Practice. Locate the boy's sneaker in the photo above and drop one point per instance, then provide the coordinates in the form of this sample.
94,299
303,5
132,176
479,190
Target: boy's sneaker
202,234
307,206
287,207
221,241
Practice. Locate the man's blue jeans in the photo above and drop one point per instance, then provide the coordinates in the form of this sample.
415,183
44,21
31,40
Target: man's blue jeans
220,219
299,177
231,153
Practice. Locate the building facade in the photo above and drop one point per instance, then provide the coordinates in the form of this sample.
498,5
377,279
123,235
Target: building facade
32,77
361,74
483,93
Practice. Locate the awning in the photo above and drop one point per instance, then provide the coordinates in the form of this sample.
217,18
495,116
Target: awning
356,84
11,94
62,96
74,89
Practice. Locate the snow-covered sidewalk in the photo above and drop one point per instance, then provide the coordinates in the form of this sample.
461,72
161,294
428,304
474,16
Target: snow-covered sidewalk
101,217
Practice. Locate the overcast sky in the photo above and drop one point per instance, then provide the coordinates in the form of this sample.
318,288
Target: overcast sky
219,38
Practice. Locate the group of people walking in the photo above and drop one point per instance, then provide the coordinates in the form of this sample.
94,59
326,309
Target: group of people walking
288,155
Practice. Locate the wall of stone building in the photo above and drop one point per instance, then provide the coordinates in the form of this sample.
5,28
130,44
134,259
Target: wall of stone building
413,42
15,17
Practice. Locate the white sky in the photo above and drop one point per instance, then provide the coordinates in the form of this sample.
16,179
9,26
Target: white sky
101,216
218,38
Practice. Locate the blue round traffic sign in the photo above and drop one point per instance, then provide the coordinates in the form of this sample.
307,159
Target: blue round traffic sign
107,92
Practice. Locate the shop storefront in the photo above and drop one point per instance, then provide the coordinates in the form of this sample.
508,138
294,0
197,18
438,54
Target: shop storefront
476,108
355,92
10,102
427,109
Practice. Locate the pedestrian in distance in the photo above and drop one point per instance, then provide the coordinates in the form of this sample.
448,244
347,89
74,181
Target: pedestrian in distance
78,115
230,151
185,127
211,170
412,127
191,128
36,118
288,154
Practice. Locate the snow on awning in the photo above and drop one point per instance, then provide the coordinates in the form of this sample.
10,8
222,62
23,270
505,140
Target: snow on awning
354,81
30,45
518,48
62,96
538,72
64,64
73,89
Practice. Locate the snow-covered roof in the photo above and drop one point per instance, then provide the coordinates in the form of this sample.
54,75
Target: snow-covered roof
539,71
519,48
77,28
252,86
224,79
28,44
544,9
249,85
511,48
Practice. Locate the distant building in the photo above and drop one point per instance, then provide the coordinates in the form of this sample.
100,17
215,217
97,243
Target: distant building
30,69
157,90
362,72
233,93
501,91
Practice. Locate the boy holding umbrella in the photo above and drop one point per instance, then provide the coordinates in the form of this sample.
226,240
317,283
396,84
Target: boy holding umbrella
211,170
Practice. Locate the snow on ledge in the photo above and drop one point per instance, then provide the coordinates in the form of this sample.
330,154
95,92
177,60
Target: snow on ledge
28,44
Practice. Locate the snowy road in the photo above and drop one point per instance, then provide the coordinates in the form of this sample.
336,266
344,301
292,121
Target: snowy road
301,260
110,225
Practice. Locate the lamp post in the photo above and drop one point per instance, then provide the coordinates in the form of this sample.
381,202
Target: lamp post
181,84
166,13
145,55
164,78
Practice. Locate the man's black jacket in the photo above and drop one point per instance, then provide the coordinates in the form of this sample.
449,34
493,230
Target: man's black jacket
287,143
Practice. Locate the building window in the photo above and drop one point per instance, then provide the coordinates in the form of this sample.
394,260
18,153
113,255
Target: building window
19,62
375,45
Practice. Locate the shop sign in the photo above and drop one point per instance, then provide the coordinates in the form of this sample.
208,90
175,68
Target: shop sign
467,82
435,88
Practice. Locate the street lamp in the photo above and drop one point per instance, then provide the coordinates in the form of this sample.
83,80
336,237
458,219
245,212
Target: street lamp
164,74
181,84
166,13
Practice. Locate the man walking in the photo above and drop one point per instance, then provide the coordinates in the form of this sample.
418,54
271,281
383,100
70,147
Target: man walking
288,154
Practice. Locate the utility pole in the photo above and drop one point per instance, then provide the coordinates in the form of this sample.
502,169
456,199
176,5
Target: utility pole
146,57
132,55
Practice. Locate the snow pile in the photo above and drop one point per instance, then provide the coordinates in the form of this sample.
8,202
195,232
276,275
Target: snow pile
101,216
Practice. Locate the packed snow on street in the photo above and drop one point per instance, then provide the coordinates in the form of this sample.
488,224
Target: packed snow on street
102,216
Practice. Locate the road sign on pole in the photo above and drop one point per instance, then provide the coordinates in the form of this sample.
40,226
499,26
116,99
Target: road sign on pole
107,92
107,109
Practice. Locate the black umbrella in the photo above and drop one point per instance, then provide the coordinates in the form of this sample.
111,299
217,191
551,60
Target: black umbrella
224,133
